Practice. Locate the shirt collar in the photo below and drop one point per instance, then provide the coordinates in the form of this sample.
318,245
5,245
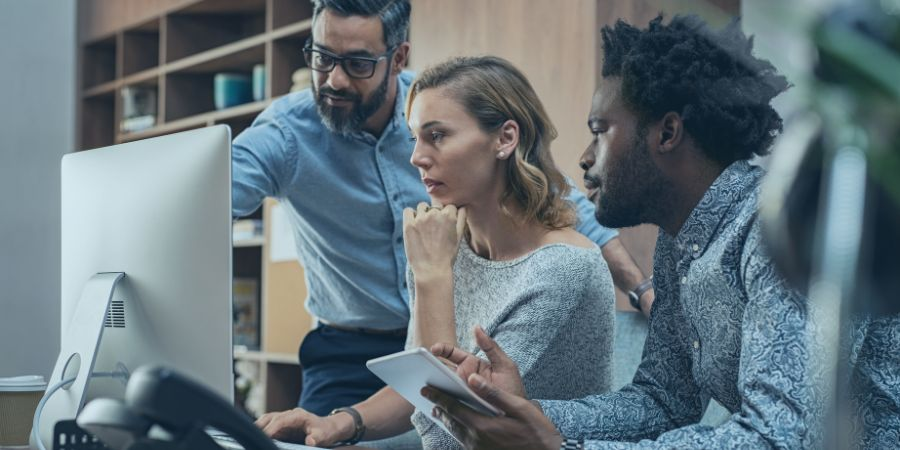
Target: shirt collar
728,189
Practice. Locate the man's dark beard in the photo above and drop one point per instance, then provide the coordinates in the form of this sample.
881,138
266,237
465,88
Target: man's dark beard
342,121
635,192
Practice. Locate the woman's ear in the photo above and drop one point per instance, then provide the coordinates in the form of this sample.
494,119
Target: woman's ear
507,139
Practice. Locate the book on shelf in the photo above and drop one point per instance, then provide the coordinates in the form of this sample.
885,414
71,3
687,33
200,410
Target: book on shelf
138,108
244,229
245,292
139,123
231,89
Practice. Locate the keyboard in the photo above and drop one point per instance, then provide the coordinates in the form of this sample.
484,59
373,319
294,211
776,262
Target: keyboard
228,442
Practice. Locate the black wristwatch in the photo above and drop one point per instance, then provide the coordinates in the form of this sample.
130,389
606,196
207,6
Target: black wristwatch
572,444
634,297
359,427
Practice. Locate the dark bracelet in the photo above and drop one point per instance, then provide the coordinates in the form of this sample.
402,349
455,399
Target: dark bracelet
634,297
359,427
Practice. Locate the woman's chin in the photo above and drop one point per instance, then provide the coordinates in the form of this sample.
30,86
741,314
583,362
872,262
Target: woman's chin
446,200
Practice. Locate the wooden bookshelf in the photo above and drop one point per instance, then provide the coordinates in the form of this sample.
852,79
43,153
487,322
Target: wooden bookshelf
178,51
177,47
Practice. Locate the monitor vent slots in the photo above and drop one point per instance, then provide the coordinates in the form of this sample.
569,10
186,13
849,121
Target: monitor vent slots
115,316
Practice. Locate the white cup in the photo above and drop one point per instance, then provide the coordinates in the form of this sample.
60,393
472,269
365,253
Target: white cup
19,397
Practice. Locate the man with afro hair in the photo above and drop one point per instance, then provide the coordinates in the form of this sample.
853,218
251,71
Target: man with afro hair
680,111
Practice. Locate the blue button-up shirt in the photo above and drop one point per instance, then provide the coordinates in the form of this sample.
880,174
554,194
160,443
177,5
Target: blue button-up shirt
344,197
725,326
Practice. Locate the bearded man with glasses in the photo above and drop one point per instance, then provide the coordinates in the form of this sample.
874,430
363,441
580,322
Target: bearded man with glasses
345,111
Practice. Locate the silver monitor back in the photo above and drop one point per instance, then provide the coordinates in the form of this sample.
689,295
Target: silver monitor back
158,210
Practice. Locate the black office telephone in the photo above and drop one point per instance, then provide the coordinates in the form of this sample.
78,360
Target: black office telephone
164,410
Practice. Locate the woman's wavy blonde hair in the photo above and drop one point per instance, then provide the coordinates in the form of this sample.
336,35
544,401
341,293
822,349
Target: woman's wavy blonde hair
493,91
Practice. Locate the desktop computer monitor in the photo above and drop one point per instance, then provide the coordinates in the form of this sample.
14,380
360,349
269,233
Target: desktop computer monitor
146,266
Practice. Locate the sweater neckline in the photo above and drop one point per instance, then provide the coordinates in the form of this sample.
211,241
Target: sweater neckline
469,254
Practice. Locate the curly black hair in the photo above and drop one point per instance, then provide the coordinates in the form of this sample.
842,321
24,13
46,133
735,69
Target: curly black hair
709,77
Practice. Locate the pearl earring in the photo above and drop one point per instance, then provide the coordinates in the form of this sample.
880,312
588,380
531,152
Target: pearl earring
500,155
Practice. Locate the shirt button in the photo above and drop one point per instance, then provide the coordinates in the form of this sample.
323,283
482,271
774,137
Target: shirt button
696,247
399,239
683,280
696,345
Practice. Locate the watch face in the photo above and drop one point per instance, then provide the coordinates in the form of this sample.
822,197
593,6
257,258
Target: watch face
634,300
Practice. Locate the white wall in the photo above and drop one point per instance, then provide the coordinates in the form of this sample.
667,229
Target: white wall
37,126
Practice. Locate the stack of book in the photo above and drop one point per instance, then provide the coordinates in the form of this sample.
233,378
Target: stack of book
138,108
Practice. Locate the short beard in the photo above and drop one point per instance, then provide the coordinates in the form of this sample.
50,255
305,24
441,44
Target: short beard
346,123
635,192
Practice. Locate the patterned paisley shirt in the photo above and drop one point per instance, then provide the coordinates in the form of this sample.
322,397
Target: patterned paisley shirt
724,326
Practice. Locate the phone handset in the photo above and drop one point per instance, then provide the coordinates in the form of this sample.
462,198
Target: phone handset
165,410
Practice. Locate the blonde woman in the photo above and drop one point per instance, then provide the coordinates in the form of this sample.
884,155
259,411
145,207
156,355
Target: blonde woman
502,254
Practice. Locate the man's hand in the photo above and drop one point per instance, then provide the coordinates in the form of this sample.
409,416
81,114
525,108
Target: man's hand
299,425
523,427
500,370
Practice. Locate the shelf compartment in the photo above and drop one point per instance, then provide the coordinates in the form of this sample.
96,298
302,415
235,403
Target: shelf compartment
283,383
287,56
189,91
140,105
99,62
239,57
287,12
247,262
98,121
140,48
198,121
188,95
212,23
247,272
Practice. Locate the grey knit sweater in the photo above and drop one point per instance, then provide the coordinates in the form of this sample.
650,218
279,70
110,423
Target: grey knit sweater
552,312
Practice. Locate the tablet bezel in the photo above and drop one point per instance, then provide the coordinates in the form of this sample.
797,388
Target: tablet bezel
407,372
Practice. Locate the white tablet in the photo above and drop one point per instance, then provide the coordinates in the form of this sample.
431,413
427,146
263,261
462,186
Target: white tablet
411,370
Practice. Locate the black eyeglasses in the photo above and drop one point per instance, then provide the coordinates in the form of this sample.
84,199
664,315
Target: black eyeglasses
359,67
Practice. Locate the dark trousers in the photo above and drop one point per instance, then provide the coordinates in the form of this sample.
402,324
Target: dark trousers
334,366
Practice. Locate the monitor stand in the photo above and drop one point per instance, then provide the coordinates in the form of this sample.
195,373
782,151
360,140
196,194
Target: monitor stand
78,350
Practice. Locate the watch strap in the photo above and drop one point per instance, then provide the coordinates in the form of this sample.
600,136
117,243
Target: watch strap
571,444
634,296
359,428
